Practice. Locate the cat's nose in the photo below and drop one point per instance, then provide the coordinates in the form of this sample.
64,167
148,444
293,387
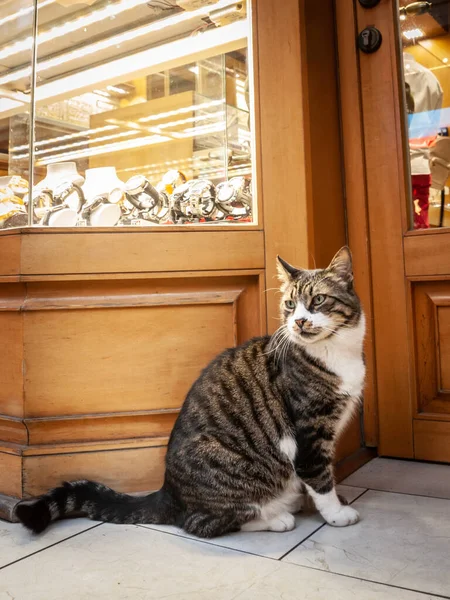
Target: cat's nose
301,323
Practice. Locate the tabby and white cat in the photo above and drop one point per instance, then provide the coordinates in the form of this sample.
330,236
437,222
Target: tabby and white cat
257,427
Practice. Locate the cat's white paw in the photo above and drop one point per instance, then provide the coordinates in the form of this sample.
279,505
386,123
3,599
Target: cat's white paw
346,515
283,522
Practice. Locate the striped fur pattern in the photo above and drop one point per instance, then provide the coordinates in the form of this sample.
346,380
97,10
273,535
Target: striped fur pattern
257,429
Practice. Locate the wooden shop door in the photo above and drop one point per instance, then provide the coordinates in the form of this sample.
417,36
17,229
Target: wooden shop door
396,123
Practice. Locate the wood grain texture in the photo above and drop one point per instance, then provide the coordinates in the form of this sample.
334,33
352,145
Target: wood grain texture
387,209
356,198
95,446
323,139
134,470
53,253
427,255
432,347
121,357
431,440
282,135
10,475
10,253
13,430
95,428
106,360
11,366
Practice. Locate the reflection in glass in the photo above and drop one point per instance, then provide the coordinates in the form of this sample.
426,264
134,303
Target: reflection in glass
424,28
136,102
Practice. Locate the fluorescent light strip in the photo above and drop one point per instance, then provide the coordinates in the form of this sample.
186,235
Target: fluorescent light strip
158,128
118,146
115,89
58,31
180,111
77,144
116,40
23,12
68,136
108,148
153,60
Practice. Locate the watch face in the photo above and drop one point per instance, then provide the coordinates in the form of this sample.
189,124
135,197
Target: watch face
225,192
116,196
135,184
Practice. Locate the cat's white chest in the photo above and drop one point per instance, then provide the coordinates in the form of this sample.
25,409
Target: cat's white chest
350,370
342,355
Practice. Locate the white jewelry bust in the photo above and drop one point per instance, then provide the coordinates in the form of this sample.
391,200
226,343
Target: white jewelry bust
101,180
59,172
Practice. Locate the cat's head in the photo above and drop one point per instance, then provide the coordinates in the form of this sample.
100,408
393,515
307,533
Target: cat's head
320,303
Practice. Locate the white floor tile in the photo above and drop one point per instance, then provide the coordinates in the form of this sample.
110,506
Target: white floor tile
16,542
401,540
407,477
268,543
134,563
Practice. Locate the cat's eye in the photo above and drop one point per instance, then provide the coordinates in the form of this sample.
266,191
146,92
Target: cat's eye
290,304
319,299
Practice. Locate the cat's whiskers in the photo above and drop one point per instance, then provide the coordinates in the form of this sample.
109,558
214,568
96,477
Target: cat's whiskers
332,331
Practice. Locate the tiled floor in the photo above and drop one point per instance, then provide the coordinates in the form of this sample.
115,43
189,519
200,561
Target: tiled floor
399,551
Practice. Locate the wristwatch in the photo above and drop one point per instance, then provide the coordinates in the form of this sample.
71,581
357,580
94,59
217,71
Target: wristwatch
201,199
181,208
100,212
60,216
171,180
12,214
70,194
234,196
140,192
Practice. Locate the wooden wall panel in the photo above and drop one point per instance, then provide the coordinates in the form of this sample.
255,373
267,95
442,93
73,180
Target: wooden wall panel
11,466
10,259
427,254
133,470
140,251
88,347
11,363
431,440
432,347
85,361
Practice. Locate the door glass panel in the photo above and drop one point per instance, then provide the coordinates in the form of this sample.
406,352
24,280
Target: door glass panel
425,42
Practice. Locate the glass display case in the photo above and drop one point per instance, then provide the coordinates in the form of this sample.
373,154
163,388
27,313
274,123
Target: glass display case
125,113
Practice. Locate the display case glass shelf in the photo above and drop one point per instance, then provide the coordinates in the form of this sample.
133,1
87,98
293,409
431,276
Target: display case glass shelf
126,113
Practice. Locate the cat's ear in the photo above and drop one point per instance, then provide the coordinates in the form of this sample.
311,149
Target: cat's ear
286,272
342,265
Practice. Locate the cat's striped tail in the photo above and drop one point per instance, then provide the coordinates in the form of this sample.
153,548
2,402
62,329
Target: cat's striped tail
97,502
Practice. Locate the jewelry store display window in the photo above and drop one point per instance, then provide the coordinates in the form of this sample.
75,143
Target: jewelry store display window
125,113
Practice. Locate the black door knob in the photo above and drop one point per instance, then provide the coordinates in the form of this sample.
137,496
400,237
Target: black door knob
369,40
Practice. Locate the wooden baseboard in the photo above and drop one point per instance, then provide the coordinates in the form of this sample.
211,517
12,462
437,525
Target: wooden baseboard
352,463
